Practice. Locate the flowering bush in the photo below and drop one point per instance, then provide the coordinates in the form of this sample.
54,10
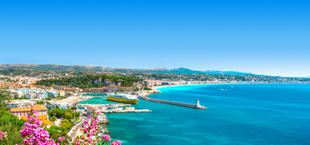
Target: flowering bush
90,132
33,134
3,135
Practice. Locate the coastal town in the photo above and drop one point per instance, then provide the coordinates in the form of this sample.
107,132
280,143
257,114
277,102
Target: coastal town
56,98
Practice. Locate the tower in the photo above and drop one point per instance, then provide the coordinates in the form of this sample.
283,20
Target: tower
197,105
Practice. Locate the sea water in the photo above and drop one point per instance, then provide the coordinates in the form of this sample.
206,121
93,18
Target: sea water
240,114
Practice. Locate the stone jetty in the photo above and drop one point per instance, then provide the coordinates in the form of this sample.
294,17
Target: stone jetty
195,106
125,111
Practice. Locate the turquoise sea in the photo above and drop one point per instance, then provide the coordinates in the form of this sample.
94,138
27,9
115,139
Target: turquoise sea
237,114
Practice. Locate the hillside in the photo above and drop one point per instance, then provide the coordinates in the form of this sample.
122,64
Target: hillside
90,81
122,70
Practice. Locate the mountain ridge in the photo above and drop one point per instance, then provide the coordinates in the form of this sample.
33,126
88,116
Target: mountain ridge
57,67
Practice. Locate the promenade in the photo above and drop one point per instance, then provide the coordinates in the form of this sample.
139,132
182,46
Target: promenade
76,128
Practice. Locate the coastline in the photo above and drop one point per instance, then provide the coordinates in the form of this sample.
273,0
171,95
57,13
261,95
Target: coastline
166,86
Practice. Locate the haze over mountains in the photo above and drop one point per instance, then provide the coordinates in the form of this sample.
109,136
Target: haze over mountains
109,69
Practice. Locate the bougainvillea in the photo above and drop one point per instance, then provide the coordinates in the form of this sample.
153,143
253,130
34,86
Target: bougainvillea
90,131
33,134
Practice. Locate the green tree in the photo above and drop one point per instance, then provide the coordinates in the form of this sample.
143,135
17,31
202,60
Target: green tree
53,118
73,108
68,116
65,124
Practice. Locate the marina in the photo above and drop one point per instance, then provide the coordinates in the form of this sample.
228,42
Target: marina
110,108
125,111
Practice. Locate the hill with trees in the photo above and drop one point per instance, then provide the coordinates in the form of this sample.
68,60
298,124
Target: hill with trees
91,81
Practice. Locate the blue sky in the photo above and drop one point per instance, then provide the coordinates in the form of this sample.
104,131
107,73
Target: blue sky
261,36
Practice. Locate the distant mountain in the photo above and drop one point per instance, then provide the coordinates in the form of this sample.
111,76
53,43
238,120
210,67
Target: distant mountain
216,72
122,70
52,67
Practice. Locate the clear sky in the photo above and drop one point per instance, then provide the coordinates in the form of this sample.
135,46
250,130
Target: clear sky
269,37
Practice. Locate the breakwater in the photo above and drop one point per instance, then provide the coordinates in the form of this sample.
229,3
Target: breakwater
195,106
125,111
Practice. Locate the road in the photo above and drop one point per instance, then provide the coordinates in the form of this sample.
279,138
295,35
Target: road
72,133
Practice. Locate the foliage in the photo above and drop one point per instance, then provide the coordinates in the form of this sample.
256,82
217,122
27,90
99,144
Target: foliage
68,114
9,123
33,133
13,134
65,124
53,118
55,127
40,102
73,108
146,88
89,130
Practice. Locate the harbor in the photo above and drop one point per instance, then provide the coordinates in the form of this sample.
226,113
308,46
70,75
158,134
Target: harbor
109,108
126,111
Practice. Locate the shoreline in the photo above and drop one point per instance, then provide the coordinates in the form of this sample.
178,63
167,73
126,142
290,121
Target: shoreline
167,86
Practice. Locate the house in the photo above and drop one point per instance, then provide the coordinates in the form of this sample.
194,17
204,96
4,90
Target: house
61,93
99,90
30,95
113,88
19,112
59,87
20,103
41,95
61,105
73,89
87,90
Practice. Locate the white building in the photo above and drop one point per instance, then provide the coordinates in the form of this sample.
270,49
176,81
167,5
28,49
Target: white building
20,103
30,95
41,95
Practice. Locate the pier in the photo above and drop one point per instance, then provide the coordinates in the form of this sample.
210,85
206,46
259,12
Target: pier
195,106
104,105
125,111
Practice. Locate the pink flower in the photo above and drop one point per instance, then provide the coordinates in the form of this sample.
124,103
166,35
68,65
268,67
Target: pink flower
90,131
34,133
61,139
4,134
117,142
106,137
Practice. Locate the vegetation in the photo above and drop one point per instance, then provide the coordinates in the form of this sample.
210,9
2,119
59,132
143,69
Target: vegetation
68,114
146,88
90,81
40,102
9,123
73,108
69,117
65,124
53,118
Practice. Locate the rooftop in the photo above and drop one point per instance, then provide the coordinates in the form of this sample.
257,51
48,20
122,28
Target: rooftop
34,107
